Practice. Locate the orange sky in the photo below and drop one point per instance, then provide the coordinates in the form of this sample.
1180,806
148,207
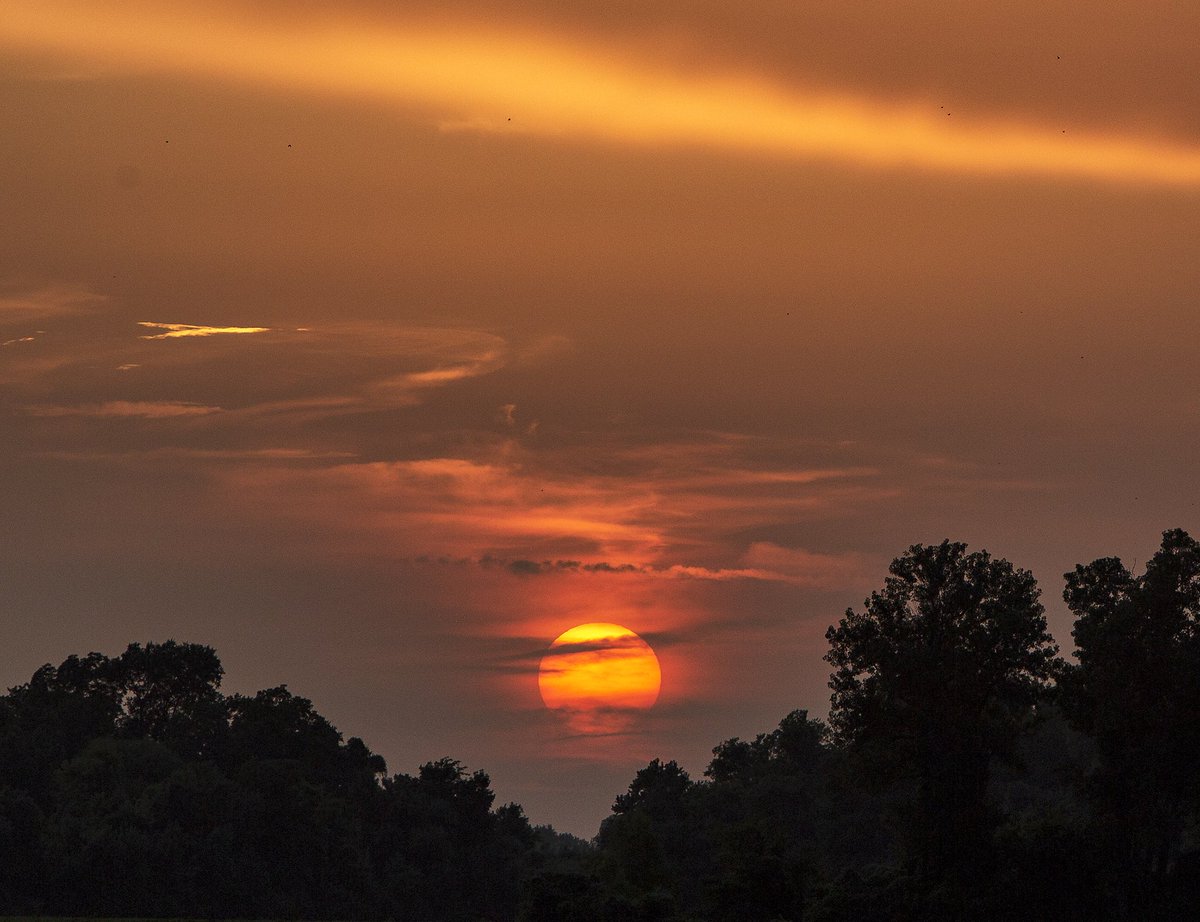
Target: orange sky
377,348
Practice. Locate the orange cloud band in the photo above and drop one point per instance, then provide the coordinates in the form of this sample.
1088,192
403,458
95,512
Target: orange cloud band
504,81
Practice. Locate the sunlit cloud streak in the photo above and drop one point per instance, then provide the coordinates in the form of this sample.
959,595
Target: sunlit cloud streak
180,330
497,80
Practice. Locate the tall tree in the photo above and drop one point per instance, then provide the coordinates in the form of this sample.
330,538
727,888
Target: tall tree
937,675
171,693
1136,690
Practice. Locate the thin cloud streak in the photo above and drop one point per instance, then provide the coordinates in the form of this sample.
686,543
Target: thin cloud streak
264,455
142,409
47,301
179,330
470,75
796,567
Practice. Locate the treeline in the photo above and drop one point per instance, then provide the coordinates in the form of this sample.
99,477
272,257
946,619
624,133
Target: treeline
967,771
132,787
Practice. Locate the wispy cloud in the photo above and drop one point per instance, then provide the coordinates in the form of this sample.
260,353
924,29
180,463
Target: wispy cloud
260,455
793,566
538,512
292,376
142,409
180,330
47,301
467,76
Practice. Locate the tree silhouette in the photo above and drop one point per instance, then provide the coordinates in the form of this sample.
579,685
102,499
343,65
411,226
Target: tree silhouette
1136,690
132,787
766,807
52,717
935,677
170,692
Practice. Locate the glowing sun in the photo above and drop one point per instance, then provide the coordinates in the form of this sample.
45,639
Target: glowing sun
598,675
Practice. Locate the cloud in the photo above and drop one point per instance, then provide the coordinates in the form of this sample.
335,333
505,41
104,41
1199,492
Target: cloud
481,362
297,376
262,455
482,125
809,568
48,301
530,511
143,409
178,330
469,75
764,562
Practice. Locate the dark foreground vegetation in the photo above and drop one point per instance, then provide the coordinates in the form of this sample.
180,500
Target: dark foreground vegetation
967,772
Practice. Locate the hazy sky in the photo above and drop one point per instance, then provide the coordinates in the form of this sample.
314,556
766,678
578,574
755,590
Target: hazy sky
377,344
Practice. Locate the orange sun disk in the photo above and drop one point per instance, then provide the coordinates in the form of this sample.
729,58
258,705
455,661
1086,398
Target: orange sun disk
597,674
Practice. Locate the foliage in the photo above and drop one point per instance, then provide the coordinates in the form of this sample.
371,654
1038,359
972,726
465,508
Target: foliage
1136,691
935,678
131,786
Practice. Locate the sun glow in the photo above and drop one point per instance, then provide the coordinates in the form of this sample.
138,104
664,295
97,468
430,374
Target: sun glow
598,675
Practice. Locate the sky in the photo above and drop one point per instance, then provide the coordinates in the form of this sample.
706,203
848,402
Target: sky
377,345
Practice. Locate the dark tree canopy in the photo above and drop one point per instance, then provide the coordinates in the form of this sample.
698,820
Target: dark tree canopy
132,787
1136,691
954,639
171,692
938,674
795,747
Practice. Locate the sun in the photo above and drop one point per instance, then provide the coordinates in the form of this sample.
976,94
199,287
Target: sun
598,676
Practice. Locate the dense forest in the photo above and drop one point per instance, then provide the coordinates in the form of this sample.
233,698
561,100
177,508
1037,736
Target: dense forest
967,771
